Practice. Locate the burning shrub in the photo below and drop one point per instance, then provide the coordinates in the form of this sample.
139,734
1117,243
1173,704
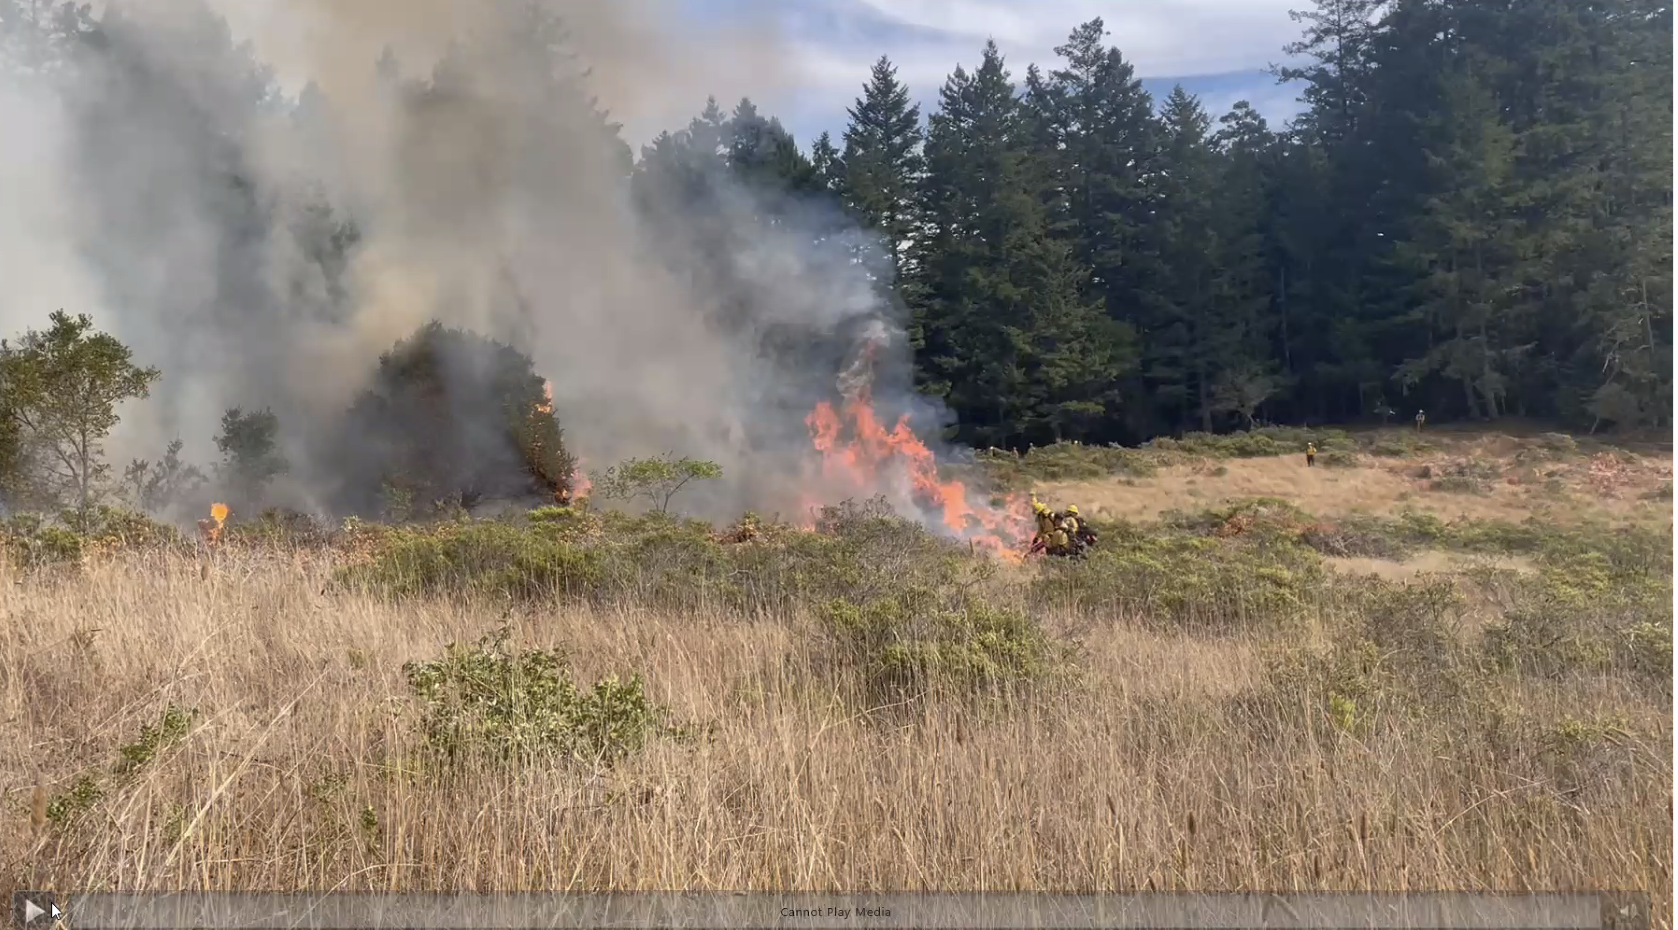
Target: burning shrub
486,701
453,418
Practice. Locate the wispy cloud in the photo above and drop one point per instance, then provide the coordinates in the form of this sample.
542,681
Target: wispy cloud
1217,49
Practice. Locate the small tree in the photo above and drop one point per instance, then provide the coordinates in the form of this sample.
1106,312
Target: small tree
247,444
154,486
11,450
1241,391
62,387
656,479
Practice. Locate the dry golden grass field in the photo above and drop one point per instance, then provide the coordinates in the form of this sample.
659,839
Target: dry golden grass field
1214,705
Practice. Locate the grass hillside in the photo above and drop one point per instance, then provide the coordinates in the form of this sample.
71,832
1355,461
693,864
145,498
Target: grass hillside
1419,665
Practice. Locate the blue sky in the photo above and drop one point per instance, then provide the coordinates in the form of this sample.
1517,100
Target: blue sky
1217,49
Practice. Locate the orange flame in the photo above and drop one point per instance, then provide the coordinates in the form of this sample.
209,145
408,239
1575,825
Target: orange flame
547,405
211,528
580,483
872,458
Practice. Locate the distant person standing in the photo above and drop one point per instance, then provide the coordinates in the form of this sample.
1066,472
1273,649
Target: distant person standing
1420,419
1310,454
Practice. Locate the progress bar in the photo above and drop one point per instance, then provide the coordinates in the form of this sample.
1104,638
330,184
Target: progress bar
847,911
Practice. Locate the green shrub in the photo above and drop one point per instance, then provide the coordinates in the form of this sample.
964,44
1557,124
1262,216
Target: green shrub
1063,461
90,787
1458,484
31,542
486,702
1583,615
1258,443
1338,458
485,557
916,642
118,527
171,727
1187,580
277,528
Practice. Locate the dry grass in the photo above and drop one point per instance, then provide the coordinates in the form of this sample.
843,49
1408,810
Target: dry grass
1151,773
1619,484
1176,760
1429,562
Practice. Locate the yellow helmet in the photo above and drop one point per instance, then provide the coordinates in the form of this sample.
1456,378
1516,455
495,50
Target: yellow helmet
1039,507
1072,509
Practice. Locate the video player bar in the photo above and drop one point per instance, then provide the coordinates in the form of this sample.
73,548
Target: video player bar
846,911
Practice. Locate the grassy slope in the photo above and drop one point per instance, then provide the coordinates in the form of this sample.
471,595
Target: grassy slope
1223,738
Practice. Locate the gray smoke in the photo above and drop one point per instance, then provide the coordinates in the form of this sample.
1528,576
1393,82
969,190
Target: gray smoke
263,240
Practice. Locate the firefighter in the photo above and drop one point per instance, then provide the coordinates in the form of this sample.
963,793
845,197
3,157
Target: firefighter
1051,536
1310,454
1420,419
1080,533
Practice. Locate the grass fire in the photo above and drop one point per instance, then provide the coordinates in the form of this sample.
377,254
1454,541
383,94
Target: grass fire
468,457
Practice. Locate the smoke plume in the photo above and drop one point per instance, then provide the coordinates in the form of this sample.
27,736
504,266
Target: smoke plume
262,219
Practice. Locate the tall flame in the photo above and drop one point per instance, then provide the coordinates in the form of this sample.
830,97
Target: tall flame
862,456
580,483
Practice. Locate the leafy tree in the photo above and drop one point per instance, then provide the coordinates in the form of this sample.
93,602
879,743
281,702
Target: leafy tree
250,457
11,450
154,486
656,479
62,387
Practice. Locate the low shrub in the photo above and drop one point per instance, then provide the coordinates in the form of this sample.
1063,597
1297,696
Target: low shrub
486,702
1258,443
1338,458
916,642
30,542
1063,461
90,787
1185,580
1583,616
1458,484
480,557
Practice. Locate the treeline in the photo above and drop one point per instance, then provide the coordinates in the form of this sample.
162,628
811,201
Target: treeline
1472,216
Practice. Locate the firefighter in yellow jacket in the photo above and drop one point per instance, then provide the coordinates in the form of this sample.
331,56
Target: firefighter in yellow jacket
1051,534
1078,532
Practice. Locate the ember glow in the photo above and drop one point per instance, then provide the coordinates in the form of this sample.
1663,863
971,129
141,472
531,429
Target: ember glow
862,457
